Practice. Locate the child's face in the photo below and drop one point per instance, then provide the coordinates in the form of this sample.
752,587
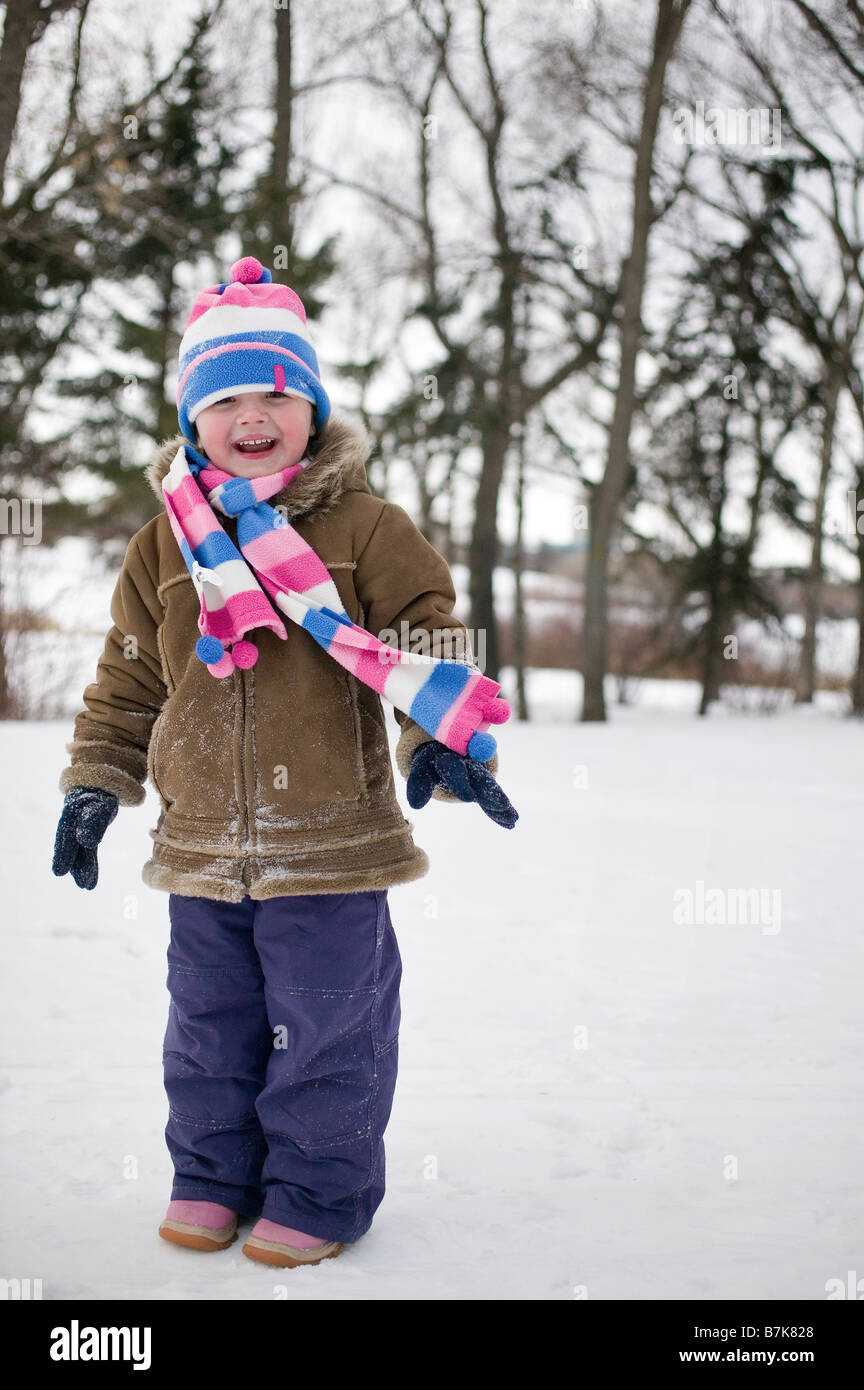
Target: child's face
285,420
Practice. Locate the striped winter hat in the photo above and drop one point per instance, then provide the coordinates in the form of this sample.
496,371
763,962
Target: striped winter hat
246,335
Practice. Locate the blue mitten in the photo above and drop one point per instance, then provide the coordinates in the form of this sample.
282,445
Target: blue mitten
434,764
86,815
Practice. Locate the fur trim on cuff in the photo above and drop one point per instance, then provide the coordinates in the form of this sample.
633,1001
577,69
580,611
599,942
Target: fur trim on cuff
411,737
127,790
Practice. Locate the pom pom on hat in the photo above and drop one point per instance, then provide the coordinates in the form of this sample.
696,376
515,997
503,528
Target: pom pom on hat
250,272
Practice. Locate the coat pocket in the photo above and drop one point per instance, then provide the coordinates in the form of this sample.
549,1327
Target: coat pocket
190,757
306,742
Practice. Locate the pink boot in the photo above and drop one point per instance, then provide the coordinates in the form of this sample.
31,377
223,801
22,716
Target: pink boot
272,1244
199,1225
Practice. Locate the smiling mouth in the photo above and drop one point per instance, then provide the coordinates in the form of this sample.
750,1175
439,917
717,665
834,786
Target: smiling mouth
255,446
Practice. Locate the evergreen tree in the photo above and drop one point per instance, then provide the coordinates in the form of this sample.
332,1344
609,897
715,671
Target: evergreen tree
168,207
733,401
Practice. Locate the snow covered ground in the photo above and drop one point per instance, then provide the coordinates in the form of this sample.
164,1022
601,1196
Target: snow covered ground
595,1099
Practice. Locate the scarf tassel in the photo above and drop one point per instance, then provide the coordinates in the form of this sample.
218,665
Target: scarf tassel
219,661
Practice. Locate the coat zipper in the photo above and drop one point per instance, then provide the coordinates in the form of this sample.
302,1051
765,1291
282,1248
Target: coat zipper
242,799
240,688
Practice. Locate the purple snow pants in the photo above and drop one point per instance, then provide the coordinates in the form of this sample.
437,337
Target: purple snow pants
280,1056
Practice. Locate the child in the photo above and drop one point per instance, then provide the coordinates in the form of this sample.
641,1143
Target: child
279,831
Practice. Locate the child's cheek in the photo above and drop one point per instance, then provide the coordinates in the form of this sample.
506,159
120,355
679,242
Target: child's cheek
221,457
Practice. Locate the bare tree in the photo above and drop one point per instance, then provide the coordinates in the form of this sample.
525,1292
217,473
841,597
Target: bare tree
828,151
858,675
607,497
24,24
484,389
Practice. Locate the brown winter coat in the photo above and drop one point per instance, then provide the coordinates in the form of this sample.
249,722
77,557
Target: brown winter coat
277,779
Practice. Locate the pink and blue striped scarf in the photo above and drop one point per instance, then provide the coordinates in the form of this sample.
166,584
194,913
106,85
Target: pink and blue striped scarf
452,701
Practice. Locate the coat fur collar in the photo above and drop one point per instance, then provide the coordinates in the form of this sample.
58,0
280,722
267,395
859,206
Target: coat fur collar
336,464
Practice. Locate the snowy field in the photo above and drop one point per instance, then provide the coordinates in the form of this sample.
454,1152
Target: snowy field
596,1098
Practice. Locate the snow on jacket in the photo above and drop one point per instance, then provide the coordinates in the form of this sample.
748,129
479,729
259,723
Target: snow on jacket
277,779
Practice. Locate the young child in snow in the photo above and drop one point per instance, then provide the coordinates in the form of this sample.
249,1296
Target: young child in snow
279,832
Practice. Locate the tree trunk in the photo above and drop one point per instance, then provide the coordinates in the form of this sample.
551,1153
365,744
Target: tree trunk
448,541
806,681
610,491
483,548
166,409
858,674
722,613
714,626
22,21
281,212
763,466
518,595
712,666
6,710
424,496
